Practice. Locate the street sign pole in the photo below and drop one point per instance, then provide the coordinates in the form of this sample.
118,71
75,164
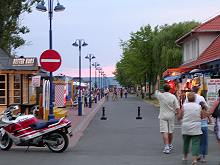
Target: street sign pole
50,60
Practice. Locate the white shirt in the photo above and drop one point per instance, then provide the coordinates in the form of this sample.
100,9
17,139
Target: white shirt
198,99
168,105
191,123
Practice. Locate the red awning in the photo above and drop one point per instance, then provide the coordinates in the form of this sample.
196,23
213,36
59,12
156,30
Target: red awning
176,71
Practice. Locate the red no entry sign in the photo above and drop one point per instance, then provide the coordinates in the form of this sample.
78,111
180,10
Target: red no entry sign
50,60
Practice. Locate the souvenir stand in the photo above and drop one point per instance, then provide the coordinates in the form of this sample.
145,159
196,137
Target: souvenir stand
15,80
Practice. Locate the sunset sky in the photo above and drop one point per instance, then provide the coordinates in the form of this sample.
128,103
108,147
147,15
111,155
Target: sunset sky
102,24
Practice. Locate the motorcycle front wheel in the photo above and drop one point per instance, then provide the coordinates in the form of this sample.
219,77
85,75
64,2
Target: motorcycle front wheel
5,142
58,142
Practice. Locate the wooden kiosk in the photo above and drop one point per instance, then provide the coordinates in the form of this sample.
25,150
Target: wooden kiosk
15,79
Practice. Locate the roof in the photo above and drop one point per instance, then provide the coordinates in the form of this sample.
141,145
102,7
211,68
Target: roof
4,58
209,26
7,60
212,25
212,53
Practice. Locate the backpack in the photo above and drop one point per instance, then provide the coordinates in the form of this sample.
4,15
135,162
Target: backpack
216,112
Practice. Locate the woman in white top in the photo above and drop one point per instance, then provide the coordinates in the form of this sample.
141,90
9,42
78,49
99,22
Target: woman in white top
191,127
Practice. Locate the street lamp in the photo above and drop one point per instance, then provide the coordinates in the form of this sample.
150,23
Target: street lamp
79,43
102,84
95,64
57,8
90,57
99,69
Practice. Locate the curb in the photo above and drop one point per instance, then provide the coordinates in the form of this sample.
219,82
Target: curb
80,128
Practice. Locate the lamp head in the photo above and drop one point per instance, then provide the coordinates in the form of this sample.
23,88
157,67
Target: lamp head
75,44
93,57
87,57
84,43
41,7
59,7
99,69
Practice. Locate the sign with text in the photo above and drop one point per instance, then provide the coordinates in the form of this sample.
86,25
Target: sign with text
23,61
36,81
213,87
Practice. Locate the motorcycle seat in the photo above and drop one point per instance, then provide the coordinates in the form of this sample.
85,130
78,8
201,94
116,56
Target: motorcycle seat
43,124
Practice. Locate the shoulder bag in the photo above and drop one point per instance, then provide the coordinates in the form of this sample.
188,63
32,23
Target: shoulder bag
216,112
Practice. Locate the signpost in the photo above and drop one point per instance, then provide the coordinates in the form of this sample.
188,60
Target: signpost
50,60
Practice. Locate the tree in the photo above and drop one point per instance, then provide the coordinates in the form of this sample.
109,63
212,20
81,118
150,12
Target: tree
10,28
167,52
148,53
137,60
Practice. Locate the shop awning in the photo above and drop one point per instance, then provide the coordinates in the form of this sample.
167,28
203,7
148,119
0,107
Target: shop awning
172,77
176,71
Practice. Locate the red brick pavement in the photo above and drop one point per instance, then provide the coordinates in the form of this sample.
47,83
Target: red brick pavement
80,123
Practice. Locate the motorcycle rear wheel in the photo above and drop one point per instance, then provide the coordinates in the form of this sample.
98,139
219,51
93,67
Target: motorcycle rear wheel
61,140
5,142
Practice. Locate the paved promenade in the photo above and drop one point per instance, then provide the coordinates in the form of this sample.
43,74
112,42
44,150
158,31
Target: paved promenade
119,140
124,140
80,123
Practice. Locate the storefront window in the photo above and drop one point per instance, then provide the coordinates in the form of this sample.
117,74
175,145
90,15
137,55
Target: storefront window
2,89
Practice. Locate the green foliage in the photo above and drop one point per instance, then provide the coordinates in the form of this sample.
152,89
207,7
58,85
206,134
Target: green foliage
149,52
10,28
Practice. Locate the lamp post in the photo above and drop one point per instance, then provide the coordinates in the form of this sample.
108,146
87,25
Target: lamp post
102,83
90,57
99,69
57,8
79,43
95,64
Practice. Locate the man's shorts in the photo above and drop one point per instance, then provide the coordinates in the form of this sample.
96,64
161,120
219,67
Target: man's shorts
167,126
217,128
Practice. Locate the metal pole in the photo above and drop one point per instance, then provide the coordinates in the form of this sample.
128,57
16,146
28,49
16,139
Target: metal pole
80,94
50,12
90,80
99,85
95,65
95,87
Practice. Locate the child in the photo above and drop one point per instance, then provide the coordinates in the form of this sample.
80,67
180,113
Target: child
204,136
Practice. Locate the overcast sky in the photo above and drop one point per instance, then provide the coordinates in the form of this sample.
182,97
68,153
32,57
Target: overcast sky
102,23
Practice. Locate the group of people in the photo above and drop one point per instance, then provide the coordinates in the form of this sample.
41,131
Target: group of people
115,92
194,115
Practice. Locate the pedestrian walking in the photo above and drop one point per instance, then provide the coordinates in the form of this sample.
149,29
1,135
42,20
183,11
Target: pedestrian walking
106,92
121,92
115,94
191,127
204,124
169,106
126,93
216,107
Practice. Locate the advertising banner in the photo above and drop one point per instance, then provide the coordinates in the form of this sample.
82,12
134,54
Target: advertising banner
213,87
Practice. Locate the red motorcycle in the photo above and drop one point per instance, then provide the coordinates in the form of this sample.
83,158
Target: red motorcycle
27,130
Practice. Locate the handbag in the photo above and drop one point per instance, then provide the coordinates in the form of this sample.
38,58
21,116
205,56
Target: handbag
216,112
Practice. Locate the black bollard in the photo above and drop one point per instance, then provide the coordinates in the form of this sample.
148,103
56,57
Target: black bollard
139,113
103,114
